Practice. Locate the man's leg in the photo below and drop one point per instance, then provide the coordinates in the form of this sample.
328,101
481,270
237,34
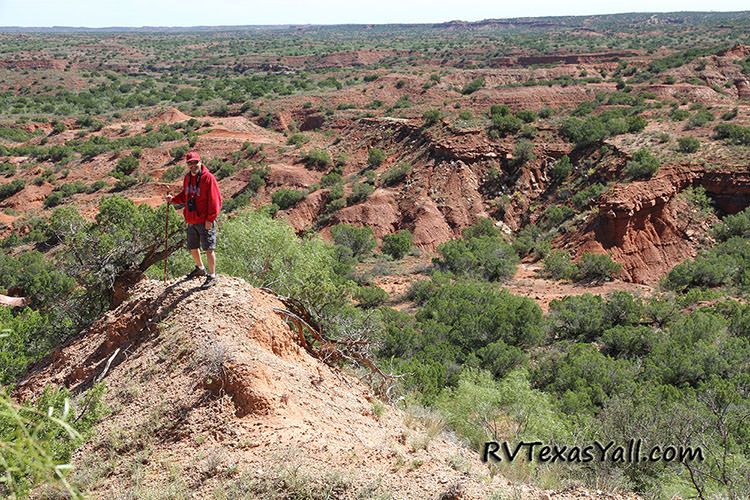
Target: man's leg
196,253
211,258
193,244
208,243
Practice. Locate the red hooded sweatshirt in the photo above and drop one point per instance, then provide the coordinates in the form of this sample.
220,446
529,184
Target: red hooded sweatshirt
205,190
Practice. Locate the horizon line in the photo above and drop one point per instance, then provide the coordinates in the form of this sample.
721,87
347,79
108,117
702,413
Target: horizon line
287,25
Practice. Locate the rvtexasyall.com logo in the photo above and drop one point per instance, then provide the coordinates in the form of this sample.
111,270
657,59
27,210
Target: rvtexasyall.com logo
631,452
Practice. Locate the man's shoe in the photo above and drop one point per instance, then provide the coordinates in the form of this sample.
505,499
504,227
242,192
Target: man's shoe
210,281
195,273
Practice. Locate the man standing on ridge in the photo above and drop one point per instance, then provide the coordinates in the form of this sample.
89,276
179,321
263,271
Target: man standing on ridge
202,199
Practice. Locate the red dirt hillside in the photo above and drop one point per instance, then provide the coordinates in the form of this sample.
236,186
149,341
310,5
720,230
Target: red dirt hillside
246,404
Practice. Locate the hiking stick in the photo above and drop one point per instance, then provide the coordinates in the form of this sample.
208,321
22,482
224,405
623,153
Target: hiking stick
166,242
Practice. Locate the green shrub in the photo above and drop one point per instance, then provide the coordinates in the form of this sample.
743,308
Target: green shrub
733,134
318,159
546,112
629,342
173,173
526,115
585,379
375,157
397,244
622,309
360,240
370,296
499,358
558,265
125,182
96,186
499,110
484,257
287,198
585,197
20,344
482,227
432,117
53,199
125,166
473,86
58,127
266,252
526,239
11,188
479,406
15,134
725,264
179,152
593,129
695,350
730,115
643,165
523,152
360,192
331,179
36,442
578,317
561,170
473,314
687,144
7,169
395,174
554,216
595,267
700,119
221,169
678,114
297,139
504,125
402,102
65,191
733,225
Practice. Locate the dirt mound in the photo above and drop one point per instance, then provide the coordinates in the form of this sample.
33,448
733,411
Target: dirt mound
211,386
169,116
238,128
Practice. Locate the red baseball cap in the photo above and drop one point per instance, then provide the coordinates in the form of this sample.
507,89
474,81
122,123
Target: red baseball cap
192,156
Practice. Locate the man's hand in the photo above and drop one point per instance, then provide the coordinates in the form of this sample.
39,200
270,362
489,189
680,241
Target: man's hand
168,197
208,225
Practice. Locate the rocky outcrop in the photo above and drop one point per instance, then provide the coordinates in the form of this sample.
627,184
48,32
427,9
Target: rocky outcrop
379,211
303,215
646,227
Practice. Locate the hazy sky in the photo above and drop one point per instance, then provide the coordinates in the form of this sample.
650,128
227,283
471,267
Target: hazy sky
99,13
